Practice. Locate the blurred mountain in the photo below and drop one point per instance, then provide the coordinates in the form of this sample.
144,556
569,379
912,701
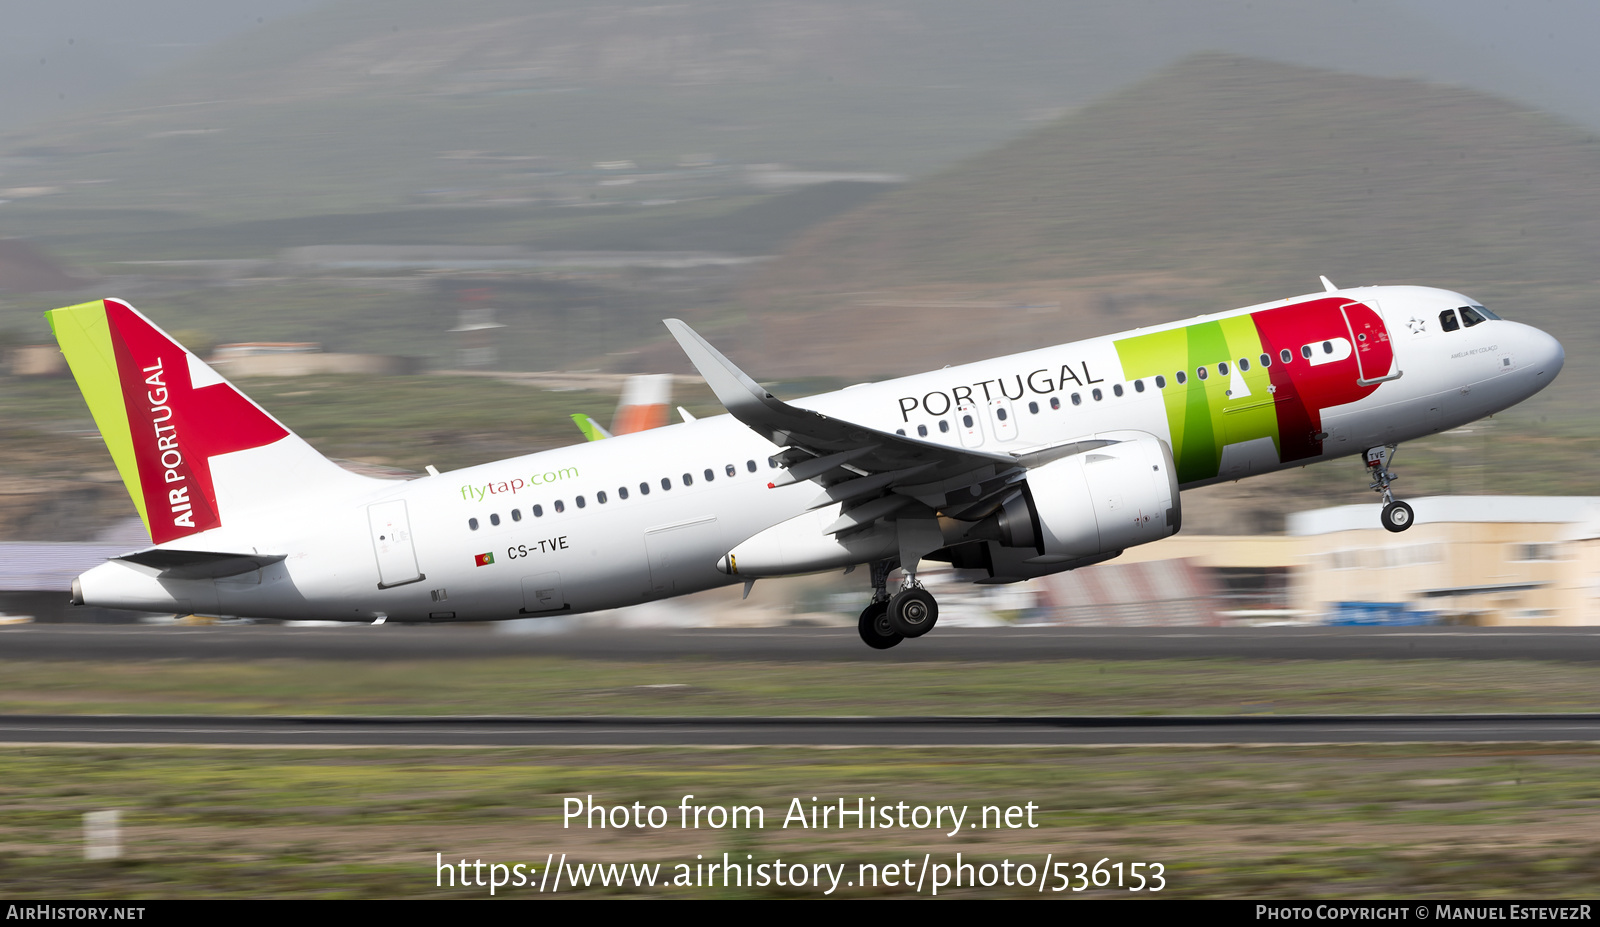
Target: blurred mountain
1220,182
365,105
25,269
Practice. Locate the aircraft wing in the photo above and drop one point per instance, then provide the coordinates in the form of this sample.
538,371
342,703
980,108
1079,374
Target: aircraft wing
853,462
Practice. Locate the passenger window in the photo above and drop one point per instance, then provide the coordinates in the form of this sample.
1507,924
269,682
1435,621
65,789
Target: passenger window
922,431
1055,403
966,421
750,465
559,506
644,489
688,479
1266,360
1469,317
622,492
1000,414
1097,394
538,511
472,523
494,519
1305,351
1033,408
1243,365
1327,347
580,502
1203,372
944,426
710,474
1285,356
1138,386
731,469
772,463
1161,382
1222,368
599,497
1447,320
900,431
666,482
516,514
1077,400
1116,389
1181,377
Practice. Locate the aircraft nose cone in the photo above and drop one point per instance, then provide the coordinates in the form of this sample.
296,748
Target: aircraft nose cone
1549,356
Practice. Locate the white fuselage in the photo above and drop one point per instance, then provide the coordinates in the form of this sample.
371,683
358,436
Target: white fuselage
557,548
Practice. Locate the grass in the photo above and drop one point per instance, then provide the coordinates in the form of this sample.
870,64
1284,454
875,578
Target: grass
515,686
1306,822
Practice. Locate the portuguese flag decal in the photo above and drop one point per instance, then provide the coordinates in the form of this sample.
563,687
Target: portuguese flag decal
483,559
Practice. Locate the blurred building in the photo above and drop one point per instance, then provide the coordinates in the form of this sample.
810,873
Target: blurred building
1483,560
303,359
37,360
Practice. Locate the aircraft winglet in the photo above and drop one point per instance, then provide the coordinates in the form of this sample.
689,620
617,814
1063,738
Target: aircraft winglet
739,394
591,429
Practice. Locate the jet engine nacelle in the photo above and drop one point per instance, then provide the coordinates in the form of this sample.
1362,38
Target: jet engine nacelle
1096,502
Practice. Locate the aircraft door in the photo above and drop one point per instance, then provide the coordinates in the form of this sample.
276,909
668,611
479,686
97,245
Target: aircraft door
967,423
1376,361
1002,419
391,542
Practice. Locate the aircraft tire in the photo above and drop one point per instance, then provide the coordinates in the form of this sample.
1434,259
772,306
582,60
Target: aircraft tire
913,612
875,629
1397,516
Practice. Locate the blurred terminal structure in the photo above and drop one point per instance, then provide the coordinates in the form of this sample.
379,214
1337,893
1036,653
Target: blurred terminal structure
1475,560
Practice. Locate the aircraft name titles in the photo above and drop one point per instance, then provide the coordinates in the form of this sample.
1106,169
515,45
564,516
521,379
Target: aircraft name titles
1040,382
473,492
167,444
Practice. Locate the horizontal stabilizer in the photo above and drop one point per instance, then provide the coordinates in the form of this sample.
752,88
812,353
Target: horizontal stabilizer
198,564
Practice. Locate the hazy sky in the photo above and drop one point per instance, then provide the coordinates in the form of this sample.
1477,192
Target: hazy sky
64,54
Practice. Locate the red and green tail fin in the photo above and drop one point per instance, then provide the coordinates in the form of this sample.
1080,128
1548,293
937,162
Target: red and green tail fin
169,421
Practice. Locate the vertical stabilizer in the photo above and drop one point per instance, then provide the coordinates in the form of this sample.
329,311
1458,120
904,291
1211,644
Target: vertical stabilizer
193,451
644,403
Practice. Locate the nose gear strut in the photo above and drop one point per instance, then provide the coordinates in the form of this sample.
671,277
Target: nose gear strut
1396,516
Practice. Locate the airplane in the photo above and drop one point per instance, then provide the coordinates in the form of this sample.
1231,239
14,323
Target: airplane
643,406
1015,467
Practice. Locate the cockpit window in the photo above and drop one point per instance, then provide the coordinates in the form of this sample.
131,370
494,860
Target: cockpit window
1470,316
1447,320
1484,312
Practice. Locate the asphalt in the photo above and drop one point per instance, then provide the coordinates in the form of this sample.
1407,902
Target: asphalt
399,642
305,731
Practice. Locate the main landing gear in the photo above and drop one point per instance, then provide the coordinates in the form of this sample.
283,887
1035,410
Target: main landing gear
886,621
1396,516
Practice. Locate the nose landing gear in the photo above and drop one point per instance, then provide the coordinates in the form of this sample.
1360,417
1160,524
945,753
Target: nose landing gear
886,621
1396,516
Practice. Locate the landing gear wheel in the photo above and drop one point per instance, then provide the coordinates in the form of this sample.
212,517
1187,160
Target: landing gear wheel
875,628
1397,516
913,612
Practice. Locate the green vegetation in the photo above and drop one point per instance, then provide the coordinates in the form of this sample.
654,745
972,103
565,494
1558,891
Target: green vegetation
1314,822
693,687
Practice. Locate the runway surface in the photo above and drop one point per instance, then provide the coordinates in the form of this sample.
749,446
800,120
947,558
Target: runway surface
803,731
398,642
